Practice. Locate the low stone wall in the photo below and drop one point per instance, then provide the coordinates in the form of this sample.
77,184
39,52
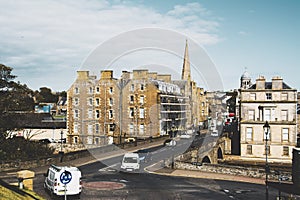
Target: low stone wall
232,170
54,159
72,152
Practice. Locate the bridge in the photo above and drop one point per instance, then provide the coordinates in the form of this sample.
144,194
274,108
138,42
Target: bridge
207,149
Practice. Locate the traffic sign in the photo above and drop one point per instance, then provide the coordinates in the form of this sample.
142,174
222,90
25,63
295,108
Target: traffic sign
65,177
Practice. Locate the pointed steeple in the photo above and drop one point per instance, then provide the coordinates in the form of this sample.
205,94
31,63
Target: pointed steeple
186,69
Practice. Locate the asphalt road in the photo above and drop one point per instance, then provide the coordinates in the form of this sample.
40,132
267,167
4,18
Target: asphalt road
101,178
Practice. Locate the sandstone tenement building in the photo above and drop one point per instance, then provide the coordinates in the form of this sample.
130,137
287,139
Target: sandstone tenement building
140,104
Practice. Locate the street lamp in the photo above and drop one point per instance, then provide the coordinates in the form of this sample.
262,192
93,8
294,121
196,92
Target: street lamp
61,153
266,134
173,142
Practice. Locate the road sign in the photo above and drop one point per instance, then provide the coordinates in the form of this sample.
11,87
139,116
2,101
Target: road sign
65,177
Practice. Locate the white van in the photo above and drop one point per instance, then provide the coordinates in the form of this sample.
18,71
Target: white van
55,186
130,162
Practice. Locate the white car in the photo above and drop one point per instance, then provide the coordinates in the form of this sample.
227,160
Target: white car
170,143
130,162
185,136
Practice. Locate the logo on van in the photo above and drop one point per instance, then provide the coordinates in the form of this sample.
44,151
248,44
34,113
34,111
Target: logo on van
65,177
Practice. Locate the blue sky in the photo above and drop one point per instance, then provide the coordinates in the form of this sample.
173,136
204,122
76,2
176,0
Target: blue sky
46,42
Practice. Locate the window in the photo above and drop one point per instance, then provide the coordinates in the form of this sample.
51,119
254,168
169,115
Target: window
111,115
131,98
75,128
112,127
131,129
111,101
284,96
252,96
75,140
111,90
284,115
131,112
142,99
132,87
76,113
90,114
202,104
76,101
269,96
142,129
97,114
91,90
202,112
142,113
249,132
76,90
97,128
97,90
90,129
285,150
90,101
249,149
89,140
97,140
267,114
251,115
97,101
285,134
142,87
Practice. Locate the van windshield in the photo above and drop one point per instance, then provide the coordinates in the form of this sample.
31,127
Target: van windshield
130,160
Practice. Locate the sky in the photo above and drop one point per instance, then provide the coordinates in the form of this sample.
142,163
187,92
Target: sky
46,41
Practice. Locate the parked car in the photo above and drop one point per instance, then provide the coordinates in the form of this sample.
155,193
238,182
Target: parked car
185,136
170,143
130,140
47,140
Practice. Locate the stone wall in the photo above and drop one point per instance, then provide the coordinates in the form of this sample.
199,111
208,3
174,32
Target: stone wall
232,170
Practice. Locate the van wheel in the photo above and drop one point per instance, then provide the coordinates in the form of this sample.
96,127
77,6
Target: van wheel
78,196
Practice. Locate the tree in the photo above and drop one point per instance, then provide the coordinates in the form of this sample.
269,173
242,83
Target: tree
45,95
14,97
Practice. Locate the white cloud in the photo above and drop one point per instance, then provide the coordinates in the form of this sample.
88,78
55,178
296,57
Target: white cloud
53,37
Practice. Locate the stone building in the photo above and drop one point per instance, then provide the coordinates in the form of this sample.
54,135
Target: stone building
140,104
276,103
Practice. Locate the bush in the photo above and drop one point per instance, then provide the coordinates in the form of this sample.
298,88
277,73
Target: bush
18,148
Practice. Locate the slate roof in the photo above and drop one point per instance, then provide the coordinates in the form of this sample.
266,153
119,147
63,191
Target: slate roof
268,85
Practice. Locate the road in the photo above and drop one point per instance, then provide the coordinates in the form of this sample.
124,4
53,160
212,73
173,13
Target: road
103,180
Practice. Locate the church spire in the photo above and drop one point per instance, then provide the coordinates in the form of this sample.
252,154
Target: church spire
186,69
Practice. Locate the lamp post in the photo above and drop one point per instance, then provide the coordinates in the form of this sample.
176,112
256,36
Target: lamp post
266,133
172,136
61,153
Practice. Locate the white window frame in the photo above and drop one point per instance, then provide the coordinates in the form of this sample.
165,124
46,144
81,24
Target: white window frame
142,99
131,129
142,113
285,134
251,115
249,133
